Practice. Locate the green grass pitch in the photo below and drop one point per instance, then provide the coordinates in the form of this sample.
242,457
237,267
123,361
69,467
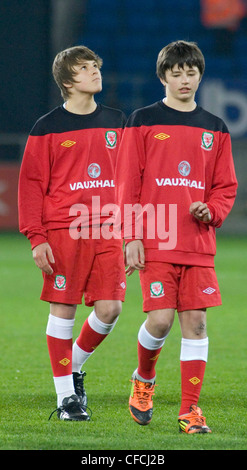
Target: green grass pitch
27,390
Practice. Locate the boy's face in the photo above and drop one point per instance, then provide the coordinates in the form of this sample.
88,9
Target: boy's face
87,78
182,83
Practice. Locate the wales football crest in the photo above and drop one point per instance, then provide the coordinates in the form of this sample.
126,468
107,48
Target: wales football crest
111,139
60,282
207,140
156,289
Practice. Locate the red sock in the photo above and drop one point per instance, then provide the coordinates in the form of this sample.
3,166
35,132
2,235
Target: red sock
147,359
192,373
60,351
89,339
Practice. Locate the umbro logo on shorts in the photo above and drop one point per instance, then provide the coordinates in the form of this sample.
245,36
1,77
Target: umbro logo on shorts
209,290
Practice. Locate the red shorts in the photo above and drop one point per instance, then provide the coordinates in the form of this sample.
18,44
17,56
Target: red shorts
84,267
183,288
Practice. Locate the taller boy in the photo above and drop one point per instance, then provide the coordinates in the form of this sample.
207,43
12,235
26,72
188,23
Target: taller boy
177,154
69,164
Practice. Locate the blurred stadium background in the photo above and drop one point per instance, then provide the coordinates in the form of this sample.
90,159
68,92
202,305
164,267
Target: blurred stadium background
128,35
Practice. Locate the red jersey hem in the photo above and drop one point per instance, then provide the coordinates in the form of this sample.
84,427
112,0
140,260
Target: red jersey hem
179,257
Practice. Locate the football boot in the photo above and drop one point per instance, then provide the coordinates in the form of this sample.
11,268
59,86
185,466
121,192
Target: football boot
79,387
140,401
193,422
71,410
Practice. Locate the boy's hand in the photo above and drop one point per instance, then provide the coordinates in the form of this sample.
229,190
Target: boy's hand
200,211
42,255
134,256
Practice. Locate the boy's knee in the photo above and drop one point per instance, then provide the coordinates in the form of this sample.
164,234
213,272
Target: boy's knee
108,310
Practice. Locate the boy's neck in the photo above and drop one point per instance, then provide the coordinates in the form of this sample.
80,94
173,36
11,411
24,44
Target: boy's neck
180,105
84,105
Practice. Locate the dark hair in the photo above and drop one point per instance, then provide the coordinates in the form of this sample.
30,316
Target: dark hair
180,53
64,63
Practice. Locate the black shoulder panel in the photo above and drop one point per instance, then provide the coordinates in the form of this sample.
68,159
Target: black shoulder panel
59,120
160,114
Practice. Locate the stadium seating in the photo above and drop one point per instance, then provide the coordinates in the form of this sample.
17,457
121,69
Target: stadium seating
128,35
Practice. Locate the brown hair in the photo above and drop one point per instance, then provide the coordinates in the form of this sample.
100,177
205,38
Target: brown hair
64,63
180,53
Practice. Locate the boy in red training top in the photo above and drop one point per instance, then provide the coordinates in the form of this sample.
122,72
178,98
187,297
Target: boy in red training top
69,165
179,155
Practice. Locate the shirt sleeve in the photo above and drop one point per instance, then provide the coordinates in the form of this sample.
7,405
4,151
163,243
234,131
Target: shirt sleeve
129,171
224,185
33,185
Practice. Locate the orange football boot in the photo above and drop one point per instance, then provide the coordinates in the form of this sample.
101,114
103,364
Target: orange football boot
140,401
193,422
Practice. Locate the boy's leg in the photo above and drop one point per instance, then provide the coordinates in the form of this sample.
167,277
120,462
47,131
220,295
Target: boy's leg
193,357
64,290
159,290
107,280
96,327
59,340
151,338
198,290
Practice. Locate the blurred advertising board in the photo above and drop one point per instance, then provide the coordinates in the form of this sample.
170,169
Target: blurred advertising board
9,174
